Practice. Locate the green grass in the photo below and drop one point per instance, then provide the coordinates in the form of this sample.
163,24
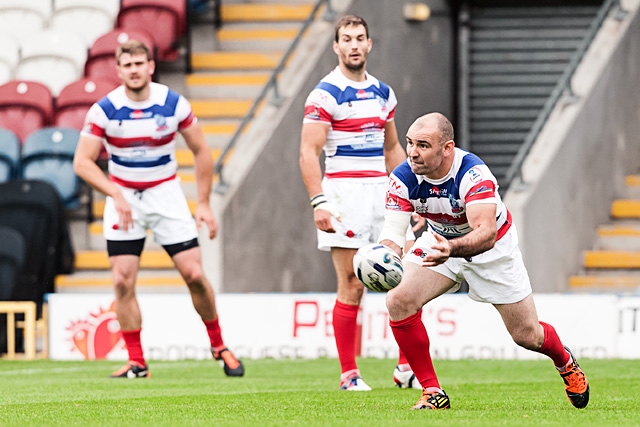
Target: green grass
305,393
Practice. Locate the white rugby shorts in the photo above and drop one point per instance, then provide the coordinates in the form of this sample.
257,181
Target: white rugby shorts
497,276
361,206
163,209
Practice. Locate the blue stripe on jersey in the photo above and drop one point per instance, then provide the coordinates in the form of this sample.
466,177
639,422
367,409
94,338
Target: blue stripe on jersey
350,94
107,106
125,113
142,163
360,151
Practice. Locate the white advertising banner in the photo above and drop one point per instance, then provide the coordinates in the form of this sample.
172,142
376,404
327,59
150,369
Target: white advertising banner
84,326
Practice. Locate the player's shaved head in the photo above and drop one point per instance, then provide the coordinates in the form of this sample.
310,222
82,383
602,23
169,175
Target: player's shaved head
442,123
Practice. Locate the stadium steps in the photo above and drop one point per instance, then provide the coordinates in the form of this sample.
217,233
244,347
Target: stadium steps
614,262
230,67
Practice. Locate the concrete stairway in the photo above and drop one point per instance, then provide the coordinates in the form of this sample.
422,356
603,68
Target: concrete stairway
614,263
230,65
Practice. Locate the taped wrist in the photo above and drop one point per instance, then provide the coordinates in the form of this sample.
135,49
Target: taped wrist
318,200
395,227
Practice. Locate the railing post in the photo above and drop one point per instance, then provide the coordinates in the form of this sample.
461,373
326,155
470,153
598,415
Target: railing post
329,13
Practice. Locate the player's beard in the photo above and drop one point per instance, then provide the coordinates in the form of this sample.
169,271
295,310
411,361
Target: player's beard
355,67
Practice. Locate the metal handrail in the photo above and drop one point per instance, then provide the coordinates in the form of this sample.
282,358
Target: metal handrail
563,85
329,15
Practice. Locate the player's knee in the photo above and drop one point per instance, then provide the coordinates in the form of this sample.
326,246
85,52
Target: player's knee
123,287
195,279
398,304
527,338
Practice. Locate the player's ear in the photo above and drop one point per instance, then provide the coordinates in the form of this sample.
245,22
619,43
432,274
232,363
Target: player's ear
152,66
369,44
335,48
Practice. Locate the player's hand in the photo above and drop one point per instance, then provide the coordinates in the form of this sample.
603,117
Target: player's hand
419,222
392,245
125,218
204,214
440,252
322,217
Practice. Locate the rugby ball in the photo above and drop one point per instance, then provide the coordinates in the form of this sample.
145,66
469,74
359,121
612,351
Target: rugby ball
378,267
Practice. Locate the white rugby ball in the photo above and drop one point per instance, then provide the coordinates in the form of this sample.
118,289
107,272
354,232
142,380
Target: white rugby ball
378,267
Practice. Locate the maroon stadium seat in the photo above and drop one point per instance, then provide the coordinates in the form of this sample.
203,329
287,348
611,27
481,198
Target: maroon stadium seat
76,98
165,20
25,106
101,62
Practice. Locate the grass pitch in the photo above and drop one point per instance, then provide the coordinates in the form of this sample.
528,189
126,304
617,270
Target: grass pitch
305,393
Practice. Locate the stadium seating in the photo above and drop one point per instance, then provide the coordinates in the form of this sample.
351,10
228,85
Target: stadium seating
101,62
9,56
61,54
88,18
165,20
75,99
20,17
9,155
47,155
25,106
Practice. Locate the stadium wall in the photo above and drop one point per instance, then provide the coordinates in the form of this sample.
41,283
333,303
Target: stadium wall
578,163
268,239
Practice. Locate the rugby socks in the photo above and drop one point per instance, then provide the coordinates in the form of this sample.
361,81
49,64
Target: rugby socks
403,363
214,332
552,347
344,330
134,347
413,341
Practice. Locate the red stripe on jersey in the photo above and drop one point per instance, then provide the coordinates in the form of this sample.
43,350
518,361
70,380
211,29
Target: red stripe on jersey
396,203
483,190
140,141
96,130
358,125
505,227
186,122
138,185
314,112
355,174
392,114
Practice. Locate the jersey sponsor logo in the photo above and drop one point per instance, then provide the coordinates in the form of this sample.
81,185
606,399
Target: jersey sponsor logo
437,191
161,122
476,174
363,94
392,203
139,114
382,102
394,184
418,252
313,113
455,205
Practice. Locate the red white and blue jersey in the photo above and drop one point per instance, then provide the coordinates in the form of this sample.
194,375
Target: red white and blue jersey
444,202
140,136
357,113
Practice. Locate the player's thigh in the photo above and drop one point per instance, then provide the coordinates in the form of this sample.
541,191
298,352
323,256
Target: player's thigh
418,286
169,216
343,263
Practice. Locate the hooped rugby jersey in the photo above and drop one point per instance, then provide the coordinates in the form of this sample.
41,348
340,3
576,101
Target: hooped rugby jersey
357,113
443,202
140,137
